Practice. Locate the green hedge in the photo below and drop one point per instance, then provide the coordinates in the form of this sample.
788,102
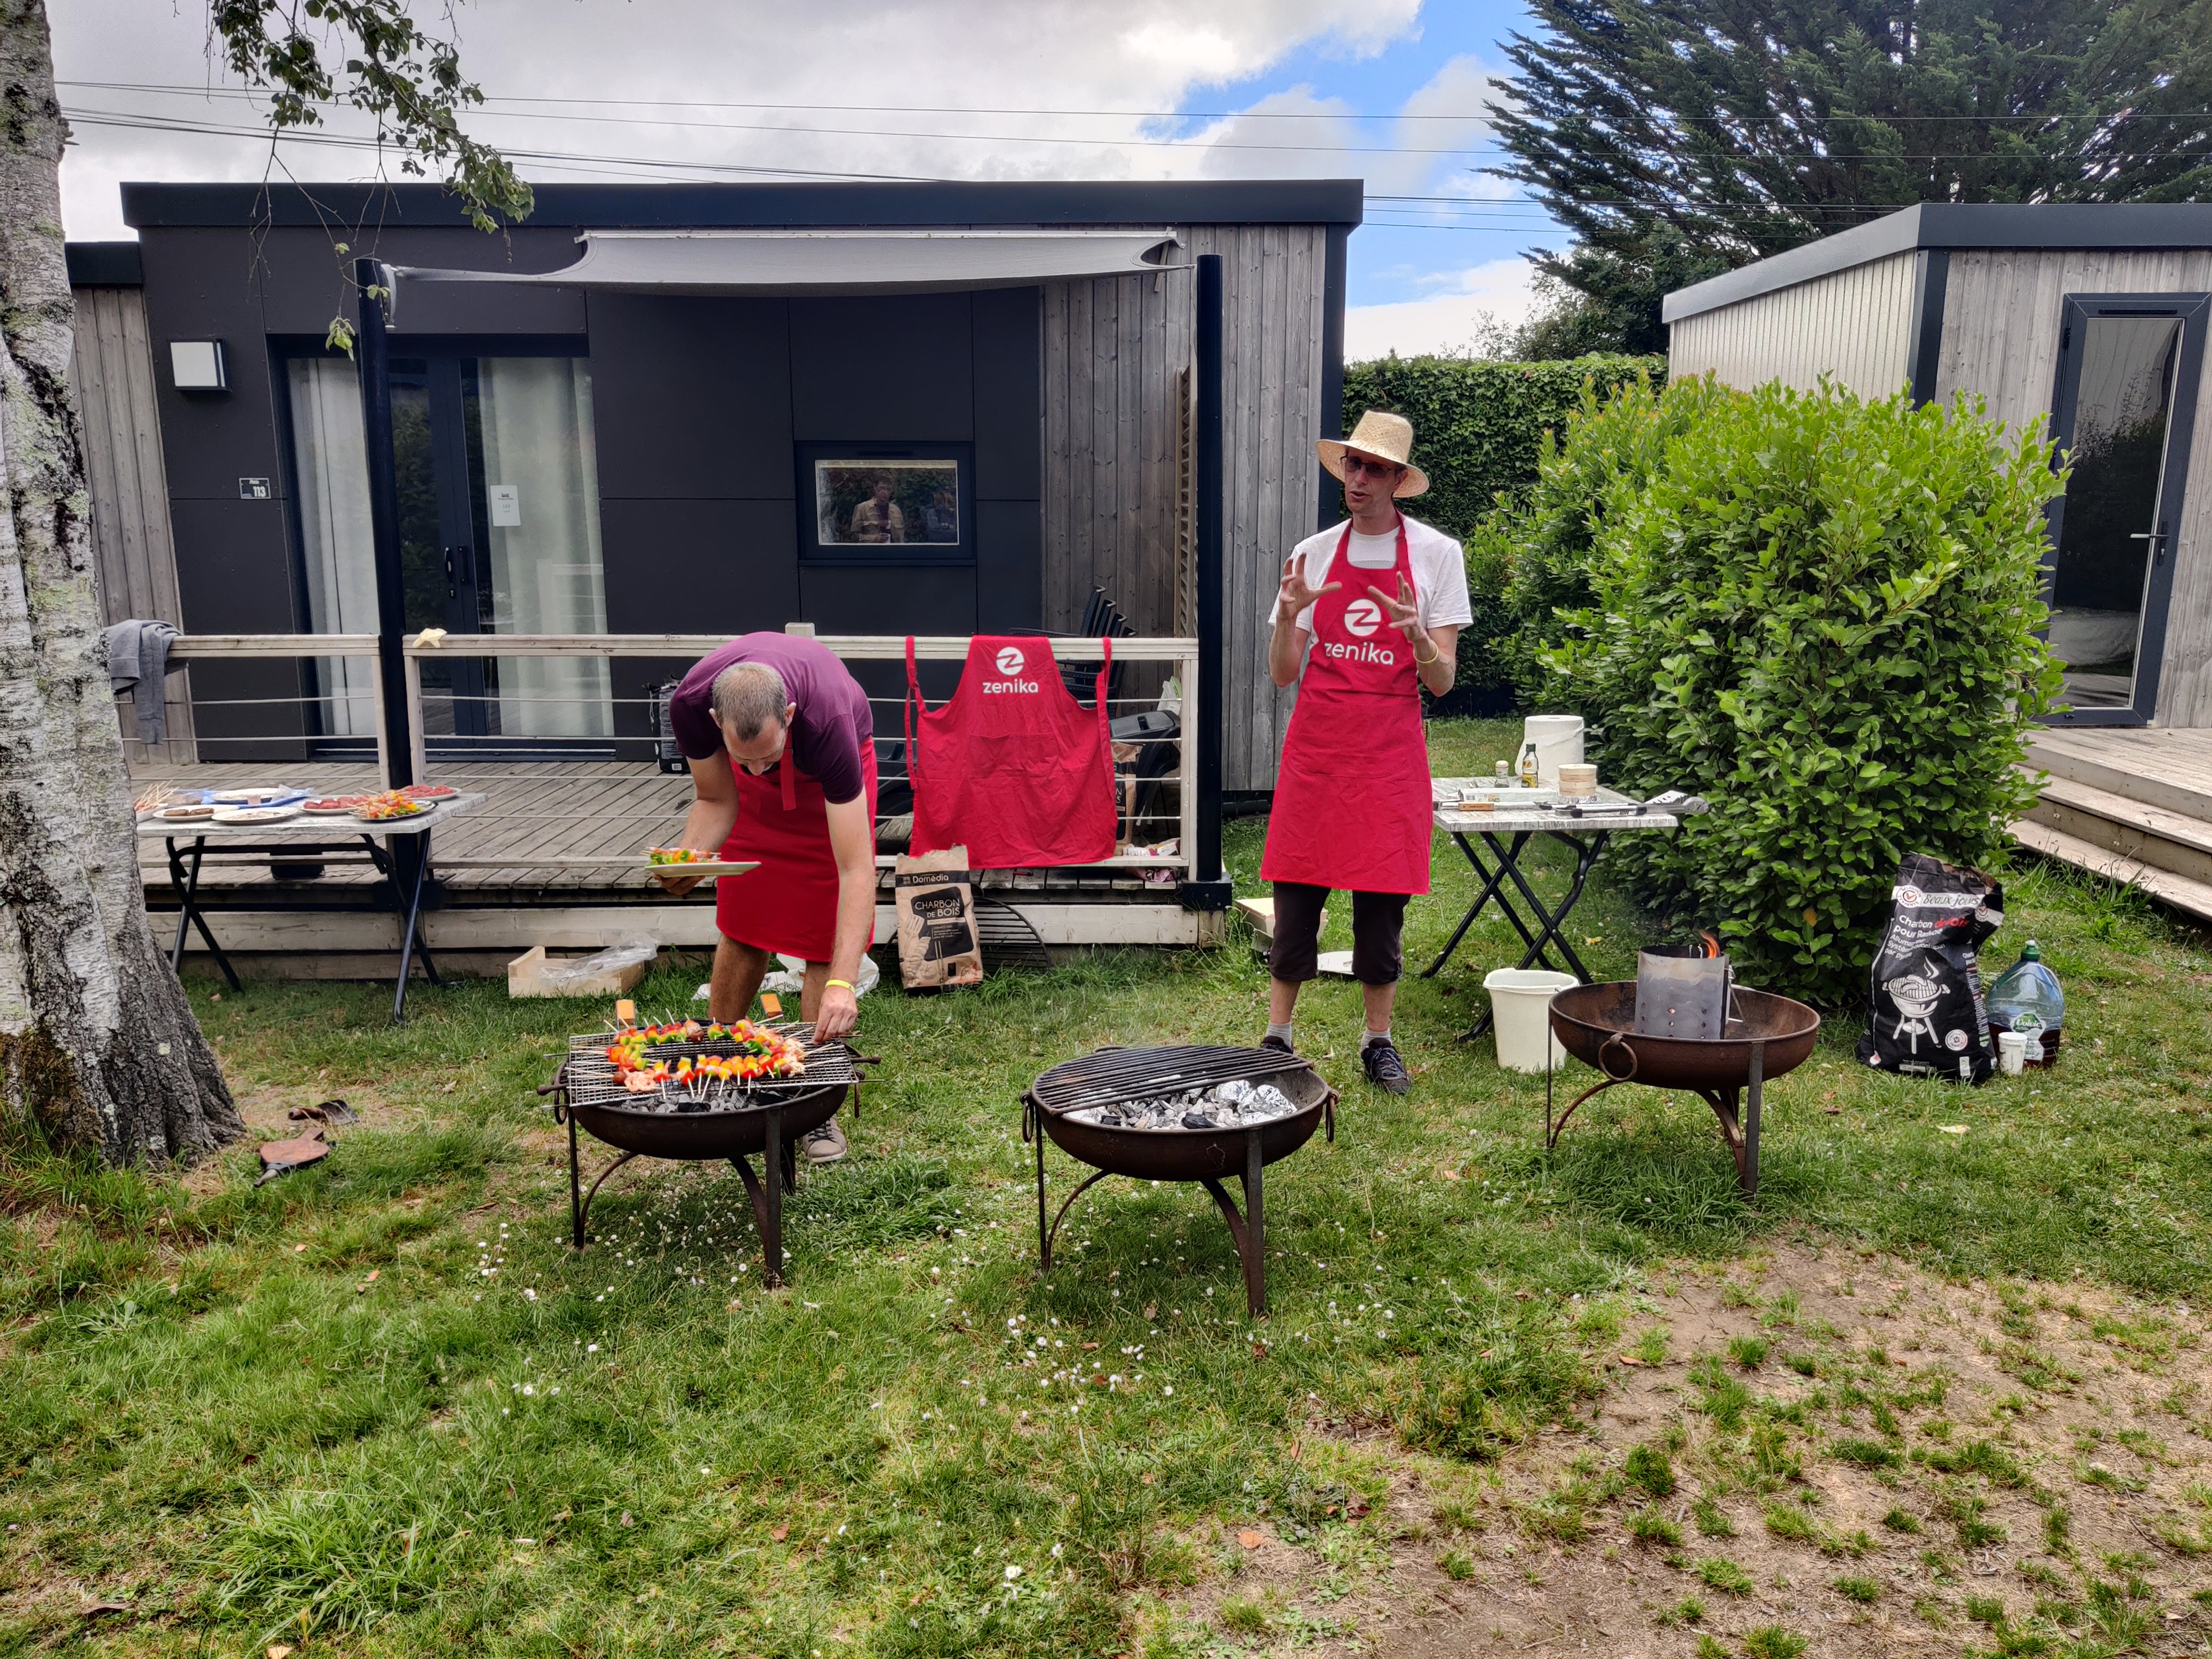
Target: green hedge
1820,612
1530,555
1479,432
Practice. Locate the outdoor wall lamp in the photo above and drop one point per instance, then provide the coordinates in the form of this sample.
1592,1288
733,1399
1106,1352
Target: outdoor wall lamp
196,366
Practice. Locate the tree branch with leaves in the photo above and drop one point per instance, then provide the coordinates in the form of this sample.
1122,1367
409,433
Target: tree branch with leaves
99,1051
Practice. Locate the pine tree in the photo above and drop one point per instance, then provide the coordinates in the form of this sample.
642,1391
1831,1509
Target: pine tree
1685,137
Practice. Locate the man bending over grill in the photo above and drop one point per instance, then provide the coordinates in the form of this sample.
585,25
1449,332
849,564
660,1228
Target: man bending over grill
783,770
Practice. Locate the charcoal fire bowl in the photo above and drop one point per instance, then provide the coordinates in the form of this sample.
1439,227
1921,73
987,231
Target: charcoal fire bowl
1768,1035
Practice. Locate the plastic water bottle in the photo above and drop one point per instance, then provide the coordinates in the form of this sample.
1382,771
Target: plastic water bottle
2026,998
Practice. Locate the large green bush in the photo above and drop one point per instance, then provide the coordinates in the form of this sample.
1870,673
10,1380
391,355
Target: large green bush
1479,428
1821,613
1530,555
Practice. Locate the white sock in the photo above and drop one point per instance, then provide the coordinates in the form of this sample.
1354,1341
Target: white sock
1371,1039
1282,1031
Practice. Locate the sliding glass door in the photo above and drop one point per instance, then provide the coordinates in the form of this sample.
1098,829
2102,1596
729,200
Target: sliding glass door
499,524
2126,402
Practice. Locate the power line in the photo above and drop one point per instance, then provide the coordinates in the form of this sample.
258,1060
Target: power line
1899,118
340,140
1143,115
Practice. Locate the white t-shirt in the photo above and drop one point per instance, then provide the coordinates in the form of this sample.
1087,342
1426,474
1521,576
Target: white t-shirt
1439,570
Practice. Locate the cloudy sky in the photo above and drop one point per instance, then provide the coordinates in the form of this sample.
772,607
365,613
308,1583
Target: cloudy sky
1391,92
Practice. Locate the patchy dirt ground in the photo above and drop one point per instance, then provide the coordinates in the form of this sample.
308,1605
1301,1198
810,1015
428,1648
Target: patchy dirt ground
1811,1452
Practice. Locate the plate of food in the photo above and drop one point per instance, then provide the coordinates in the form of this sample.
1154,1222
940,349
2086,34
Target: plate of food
689,861
430,792
329,806
258,795
184,812
383,809
255,814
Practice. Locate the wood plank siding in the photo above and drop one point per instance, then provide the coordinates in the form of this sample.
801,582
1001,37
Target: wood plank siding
135,561
1114,351
1854,325
2000,320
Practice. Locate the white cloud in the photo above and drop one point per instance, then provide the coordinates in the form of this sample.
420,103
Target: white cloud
1497,293
1132,56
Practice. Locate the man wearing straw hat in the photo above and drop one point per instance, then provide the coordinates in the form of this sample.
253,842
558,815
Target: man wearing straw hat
1368,615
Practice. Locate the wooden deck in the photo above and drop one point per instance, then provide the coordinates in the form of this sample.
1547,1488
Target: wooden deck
549,859
2130,804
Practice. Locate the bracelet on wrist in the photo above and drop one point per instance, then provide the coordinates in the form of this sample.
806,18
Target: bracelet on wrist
837,984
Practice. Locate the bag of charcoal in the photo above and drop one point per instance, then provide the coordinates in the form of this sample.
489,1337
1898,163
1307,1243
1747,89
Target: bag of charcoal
1927,983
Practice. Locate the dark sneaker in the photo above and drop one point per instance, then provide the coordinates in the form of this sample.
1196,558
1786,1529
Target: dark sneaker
1386,1067
825,1145
1275,1045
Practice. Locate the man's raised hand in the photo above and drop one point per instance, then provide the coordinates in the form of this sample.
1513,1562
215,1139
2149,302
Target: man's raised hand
1294,596
1404,610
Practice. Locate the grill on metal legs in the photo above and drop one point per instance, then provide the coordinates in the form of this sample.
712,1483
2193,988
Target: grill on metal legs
1065,1104
714,1119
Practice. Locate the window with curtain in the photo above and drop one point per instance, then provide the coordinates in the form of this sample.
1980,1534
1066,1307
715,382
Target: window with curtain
536,503
331,462
498,477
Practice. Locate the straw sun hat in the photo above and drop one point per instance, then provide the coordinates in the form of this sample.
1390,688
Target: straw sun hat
1384,437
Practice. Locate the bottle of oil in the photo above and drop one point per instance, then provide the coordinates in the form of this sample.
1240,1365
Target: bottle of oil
1529,764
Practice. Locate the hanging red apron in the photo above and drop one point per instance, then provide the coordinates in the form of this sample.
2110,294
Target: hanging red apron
1013,768
1351,806
789,905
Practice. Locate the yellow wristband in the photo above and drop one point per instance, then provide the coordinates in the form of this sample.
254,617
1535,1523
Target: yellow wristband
844,984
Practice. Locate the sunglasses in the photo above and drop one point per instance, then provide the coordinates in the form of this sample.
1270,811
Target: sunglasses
1360,463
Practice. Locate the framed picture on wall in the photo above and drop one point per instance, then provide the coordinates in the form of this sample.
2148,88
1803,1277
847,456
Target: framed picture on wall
878,504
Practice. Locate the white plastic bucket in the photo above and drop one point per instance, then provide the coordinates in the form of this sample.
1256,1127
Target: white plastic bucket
1521,1015
1558,738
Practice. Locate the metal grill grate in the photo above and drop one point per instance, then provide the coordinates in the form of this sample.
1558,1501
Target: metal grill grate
1109,1075
592,1080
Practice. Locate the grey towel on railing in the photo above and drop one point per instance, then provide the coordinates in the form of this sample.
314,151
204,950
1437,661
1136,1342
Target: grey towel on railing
138,662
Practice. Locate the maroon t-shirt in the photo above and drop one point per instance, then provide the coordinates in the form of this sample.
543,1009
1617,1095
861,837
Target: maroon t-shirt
831,721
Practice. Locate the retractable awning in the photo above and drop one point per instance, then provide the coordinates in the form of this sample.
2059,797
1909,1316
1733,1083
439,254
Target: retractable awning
842,261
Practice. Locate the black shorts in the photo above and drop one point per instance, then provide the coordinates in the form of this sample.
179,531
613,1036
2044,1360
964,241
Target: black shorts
1378,927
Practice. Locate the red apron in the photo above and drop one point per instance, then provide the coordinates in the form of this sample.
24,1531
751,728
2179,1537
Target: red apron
1013,768
1351,806
789,905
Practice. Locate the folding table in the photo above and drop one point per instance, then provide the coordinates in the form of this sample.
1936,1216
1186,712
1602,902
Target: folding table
1506,833
403,863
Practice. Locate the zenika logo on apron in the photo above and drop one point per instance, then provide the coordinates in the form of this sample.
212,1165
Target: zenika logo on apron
1361,618
1010,662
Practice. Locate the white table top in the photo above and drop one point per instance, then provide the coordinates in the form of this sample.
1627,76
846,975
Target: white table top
1444,794
313,827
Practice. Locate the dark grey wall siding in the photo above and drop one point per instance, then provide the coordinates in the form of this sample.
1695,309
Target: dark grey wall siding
685,567
692,398
1009,372
892,370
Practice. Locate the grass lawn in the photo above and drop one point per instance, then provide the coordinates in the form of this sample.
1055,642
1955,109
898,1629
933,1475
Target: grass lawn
1941,1388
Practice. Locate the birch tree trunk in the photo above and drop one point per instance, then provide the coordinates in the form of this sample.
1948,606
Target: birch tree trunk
98,1046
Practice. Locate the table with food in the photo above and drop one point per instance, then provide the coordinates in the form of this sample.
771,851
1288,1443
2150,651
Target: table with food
281,827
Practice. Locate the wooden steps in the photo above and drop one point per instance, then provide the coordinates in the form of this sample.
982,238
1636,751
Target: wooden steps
2134,805
2193,898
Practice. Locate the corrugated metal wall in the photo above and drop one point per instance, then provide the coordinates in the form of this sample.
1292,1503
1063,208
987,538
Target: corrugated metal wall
1854,325
135,562
1112,350
2000,320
